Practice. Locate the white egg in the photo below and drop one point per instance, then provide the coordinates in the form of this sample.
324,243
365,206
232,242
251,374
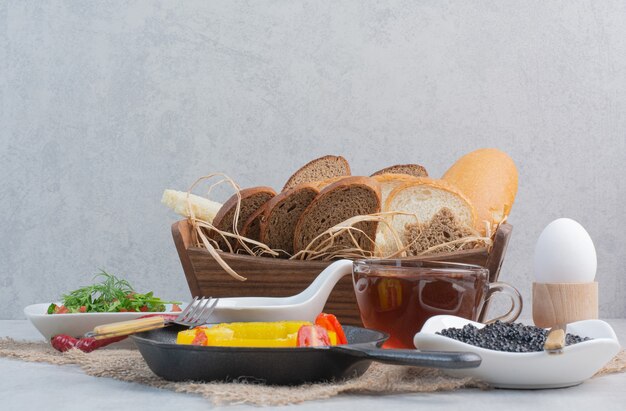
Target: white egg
565,254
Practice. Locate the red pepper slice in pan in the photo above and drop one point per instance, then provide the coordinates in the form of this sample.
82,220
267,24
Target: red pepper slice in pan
312,336
200,338
330,322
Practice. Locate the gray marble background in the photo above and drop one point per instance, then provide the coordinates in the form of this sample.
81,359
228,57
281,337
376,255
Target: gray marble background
106,103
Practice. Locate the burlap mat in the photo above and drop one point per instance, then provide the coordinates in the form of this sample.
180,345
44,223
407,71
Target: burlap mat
128,365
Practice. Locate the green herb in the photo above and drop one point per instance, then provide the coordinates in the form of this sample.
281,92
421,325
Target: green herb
110,295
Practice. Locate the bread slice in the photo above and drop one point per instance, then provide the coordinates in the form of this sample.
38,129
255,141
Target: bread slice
336,203
252,227
320,185
414,170
251,200
423,198
442,228
388,182
319,169
282,215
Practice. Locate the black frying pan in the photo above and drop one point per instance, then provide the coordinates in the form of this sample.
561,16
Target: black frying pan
283,366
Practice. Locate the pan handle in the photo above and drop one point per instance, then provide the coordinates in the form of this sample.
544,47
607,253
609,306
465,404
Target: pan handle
431,359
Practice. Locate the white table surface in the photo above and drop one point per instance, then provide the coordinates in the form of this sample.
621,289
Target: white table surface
37,386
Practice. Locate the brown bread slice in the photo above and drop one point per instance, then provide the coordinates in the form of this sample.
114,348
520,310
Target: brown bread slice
442,228
282,215
320,185
414,170
319,169
338,202
251,200
252,228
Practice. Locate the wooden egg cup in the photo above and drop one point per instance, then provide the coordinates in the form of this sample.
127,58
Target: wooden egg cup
562,303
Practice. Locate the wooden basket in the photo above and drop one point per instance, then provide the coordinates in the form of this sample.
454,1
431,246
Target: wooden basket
271,277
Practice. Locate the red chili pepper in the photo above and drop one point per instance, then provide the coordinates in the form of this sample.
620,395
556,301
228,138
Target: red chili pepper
312,336
65,343
330,323
89,344
144,309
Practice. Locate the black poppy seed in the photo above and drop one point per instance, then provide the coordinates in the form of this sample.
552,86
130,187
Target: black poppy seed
500,336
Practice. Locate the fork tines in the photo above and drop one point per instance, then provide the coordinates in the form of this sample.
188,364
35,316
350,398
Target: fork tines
197,312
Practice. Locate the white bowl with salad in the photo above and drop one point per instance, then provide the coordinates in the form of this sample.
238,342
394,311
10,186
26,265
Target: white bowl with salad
108,301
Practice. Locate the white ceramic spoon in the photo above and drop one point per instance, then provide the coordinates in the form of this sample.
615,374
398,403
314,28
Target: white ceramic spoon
304,306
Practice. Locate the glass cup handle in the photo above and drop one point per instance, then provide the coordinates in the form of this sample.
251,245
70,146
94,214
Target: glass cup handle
513,294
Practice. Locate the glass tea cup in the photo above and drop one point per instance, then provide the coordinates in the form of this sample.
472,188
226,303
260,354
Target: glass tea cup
398,296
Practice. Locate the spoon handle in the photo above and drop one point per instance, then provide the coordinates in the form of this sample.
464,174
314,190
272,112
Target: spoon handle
555,341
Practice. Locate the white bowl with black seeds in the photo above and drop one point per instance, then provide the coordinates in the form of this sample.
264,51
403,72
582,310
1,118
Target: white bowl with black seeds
515,364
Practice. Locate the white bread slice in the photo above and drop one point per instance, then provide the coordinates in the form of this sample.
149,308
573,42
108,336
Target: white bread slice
388,182
319,169
423,198
203,208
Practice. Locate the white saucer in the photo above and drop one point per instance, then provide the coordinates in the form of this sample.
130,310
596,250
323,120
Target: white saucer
534,370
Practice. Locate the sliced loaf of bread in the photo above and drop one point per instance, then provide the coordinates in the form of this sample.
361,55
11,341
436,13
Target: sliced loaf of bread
442,228
282,215
319,169
336,203
414,170
251,200
422,198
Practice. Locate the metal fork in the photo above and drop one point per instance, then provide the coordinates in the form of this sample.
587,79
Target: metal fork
196,313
